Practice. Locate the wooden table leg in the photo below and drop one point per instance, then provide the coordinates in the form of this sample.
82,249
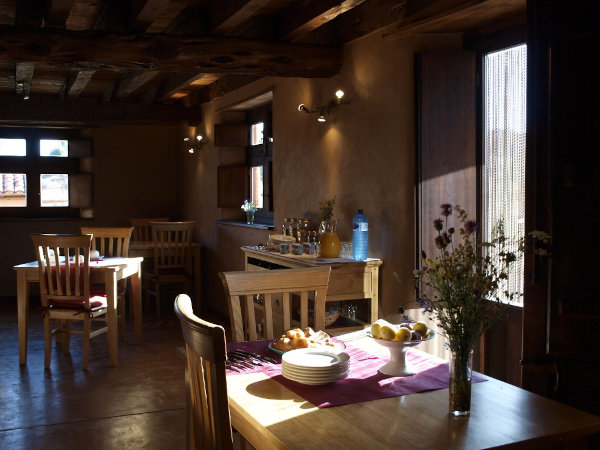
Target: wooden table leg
22,314
110,284
136,300
197,279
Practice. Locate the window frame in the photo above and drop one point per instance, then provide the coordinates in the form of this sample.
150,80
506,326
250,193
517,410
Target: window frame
262,155
33,165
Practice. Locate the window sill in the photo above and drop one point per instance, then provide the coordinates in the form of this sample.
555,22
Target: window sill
258,226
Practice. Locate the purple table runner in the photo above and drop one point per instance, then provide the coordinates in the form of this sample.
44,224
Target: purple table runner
364,382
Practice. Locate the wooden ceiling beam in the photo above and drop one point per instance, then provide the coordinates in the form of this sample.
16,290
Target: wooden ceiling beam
132,81
50,110
303,17
58,11
95,50
76,83
451,16
84,15
227,16
8,12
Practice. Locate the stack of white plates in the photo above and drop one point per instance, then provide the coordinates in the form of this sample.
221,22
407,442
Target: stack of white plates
314,366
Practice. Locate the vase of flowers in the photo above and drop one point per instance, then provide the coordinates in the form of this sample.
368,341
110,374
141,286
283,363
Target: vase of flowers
459,288
249,208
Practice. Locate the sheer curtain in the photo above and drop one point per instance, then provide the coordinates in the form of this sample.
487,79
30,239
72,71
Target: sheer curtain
505,82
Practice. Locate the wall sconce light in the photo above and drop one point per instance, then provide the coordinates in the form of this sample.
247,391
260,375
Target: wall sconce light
194,145
25,87
327,110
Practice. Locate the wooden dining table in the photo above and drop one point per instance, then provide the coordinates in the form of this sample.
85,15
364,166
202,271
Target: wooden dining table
271,416
145,249
107,271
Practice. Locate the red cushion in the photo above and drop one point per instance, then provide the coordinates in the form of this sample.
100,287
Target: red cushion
96,302
72,276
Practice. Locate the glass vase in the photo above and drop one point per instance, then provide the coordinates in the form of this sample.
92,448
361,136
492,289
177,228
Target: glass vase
250,217
460,367
329,244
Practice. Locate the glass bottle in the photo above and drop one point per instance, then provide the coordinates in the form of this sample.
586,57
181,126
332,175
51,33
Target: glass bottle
329,244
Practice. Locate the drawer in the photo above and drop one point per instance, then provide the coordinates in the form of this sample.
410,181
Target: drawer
349,280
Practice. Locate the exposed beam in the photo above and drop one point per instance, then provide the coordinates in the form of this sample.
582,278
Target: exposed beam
181,82
76,83
95,50
304,17
149,13
227,16
49,110
8,12
451,16
133,81
84,14
364,19
58,11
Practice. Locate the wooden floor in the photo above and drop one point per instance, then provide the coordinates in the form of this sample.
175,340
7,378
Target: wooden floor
138,404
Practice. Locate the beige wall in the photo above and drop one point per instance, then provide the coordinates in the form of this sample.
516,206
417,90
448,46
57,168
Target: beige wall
136,174
364,157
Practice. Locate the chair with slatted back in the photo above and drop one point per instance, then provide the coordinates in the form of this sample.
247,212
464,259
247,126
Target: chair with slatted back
242,287
172,244
142,230
208,419
113,242
64,266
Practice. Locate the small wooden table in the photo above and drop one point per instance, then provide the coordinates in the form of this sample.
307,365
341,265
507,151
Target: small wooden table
349,279
270,416
146,250
107,271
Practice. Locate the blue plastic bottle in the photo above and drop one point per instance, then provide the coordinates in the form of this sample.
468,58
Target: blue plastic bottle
360,236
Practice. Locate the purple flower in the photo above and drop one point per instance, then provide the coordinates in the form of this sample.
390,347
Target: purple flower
440,242
438,224
446,238
446,209
451,230
470,226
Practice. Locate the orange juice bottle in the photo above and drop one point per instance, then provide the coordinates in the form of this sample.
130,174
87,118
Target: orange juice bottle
330,241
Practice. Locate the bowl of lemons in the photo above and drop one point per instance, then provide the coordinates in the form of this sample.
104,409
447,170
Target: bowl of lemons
398,338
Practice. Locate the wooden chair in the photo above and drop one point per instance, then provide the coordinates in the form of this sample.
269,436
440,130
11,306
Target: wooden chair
172,256
142,230
64,265
242,287
113,242
207,405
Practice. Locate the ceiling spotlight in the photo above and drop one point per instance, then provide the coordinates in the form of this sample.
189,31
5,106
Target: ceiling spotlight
194,144
339,94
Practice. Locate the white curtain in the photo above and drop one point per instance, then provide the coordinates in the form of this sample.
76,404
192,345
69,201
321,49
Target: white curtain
505,83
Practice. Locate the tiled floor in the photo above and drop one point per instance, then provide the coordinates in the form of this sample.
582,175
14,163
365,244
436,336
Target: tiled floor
138,404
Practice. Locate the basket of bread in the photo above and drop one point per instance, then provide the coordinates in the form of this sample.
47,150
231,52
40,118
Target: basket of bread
296,338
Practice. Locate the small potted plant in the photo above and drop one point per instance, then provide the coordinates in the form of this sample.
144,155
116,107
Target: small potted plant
249,208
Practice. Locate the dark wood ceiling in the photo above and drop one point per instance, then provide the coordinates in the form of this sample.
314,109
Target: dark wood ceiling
94,61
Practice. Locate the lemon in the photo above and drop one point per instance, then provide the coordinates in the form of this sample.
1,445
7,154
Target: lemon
421,327
388,332
402,334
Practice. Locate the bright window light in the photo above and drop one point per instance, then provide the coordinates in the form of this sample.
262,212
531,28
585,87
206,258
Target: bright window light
256,186
54,147
256,133
13,147
13,190
54,189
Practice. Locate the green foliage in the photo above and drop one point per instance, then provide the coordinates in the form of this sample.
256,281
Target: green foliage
326,208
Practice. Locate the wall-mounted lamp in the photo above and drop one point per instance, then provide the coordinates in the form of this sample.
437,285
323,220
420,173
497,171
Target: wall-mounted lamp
25,87
193,145
328,110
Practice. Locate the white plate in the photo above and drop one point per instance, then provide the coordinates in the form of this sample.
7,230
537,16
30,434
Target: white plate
338,346
315,372
314,358
317,381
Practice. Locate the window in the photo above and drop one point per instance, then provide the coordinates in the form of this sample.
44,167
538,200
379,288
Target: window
504,132
260,162
40,175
